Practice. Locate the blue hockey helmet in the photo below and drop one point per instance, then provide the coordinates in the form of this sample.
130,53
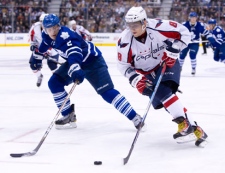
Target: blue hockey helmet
193,14
212,21
51,20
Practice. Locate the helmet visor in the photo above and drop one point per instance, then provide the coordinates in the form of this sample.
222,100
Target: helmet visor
134,25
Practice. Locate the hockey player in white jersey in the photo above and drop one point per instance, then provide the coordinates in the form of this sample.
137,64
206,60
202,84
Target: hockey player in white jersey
142,48
36,58
84,33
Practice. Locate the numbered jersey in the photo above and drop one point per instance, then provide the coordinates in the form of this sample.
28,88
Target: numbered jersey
217,36
196,30
145,55
71,46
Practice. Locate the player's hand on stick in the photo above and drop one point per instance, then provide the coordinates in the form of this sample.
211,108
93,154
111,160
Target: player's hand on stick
76,73
170,55
143,85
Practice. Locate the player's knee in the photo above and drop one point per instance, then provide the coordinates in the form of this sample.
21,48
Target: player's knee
33,66
56,84
164,90
193,55
109,95
52,65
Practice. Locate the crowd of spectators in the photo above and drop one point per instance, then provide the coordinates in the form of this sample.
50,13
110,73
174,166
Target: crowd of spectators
205,9
102,16
17,16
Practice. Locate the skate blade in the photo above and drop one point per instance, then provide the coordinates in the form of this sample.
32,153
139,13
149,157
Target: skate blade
202,144
185,139
71,125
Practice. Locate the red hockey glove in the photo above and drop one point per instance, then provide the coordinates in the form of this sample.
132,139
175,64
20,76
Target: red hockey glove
143,85
170,55
37,54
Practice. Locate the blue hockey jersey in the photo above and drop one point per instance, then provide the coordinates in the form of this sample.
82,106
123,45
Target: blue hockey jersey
196,30
70,46
216,37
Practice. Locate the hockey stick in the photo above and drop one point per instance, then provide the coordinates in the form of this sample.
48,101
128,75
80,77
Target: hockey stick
53,60
32,48
125,160
48,129
201,41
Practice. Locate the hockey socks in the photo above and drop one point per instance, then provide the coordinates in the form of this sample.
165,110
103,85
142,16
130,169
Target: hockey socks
188,130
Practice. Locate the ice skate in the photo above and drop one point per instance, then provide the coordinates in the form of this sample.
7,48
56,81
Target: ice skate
201,136
185,131
68,121
39,81
193,71
137,122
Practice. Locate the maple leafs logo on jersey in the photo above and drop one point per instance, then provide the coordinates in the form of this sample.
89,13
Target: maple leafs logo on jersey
122,45
64,35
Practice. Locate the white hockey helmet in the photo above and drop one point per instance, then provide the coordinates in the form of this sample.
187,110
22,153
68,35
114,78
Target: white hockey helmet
135,14
42,16
70,23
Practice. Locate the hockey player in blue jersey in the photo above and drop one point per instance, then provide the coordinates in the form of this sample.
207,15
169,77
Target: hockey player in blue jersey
196,28
217,40
83,60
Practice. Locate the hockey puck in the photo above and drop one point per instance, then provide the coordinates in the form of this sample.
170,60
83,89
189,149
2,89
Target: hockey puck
97,163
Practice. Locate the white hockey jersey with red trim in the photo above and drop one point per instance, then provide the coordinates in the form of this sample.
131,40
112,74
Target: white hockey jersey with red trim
35,35
84,33
145,56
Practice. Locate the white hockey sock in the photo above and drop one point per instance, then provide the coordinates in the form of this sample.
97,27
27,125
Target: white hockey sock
193,63
38,73
174,106
181,62
189,117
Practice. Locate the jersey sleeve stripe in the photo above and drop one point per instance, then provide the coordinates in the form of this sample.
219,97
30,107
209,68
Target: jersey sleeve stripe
171,34
88,53
74,52
75,47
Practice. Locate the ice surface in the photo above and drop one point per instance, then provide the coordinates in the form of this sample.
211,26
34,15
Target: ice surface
103,134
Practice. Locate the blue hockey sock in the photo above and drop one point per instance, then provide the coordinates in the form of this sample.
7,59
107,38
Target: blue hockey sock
113,97
56,86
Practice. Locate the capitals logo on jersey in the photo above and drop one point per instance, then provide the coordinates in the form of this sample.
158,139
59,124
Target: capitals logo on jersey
159,23
122,45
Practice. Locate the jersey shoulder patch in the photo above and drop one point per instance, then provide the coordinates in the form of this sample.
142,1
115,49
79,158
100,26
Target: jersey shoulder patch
124,39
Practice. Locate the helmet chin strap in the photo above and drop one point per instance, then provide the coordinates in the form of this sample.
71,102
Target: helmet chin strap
143,27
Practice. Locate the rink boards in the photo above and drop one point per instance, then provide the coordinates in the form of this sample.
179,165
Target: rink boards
22,39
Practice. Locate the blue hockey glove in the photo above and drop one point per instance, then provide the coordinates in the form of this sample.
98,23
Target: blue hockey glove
76,73
36,64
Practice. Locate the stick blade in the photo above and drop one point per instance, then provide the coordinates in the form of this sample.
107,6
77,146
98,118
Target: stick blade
23,154
125,160
16,155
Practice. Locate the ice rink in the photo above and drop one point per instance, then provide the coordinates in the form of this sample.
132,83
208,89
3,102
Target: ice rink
103,134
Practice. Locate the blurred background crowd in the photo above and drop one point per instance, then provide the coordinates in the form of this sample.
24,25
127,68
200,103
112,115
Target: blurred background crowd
17,16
